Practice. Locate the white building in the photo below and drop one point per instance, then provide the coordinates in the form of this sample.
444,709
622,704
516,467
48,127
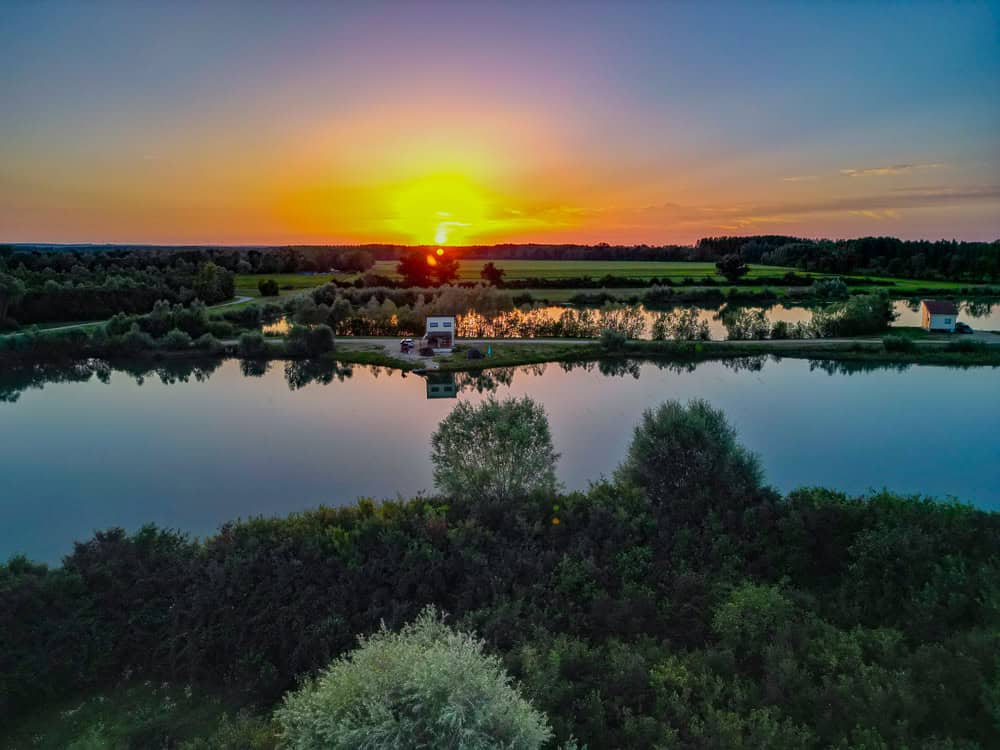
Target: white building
439,333
938,315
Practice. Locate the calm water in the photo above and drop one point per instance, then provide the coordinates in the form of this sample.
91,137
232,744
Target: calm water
77,456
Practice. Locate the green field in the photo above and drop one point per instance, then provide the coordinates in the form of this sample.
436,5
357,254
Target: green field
563,269
288,283
677,271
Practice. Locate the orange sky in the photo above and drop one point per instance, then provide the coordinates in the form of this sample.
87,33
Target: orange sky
452,125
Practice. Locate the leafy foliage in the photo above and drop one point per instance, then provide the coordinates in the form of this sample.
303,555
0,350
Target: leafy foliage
679,605
499,450
425,686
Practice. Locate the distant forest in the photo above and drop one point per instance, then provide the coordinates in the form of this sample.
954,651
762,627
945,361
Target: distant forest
886,256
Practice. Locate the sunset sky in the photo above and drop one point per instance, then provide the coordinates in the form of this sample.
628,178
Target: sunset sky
464,122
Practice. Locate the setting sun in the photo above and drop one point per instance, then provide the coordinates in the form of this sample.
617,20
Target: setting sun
444,209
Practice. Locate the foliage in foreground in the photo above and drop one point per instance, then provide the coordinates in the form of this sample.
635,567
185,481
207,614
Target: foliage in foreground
654,614
425,686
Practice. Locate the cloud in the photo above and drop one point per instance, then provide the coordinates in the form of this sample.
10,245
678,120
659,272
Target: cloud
892,169
801,178
887,205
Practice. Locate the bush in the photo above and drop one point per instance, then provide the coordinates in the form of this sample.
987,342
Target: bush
899,344
966,345
310,341
424,687
268,288
209,344
746,325
860,315
681,325
612,340
688,460
498,450
780,330
834,288
176,339
252,345
136,340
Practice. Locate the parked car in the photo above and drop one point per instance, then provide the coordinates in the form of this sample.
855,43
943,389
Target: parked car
406,345
963,328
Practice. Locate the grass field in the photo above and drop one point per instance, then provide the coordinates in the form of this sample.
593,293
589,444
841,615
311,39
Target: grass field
288,283
563,269
291,283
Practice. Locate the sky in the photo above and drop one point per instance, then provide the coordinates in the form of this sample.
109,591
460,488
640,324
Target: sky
478,122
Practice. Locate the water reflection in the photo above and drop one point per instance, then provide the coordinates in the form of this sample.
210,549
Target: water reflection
16,379
639,321
190,445
441,385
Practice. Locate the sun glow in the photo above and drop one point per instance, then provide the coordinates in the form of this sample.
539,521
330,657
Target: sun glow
443,209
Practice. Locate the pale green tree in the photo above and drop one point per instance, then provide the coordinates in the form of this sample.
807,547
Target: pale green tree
427,686
499,450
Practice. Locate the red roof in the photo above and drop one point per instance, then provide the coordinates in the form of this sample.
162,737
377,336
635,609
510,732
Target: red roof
938,307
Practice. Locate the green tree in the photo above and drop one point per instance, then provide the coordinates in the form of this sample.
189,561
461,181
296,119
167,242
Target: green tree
415,268
268,288
491,274
12,290
427,686
732,267
688,460
444,269
495,451
213,283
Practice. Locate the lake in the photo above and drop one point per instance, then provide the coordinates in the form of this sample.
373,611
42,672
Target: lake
115,448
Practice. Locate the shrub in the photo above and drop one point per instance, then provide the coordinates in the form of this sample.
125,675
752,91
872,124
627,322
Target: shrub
136,340
860,315
834,288
424,687
320,340
268,288
780,330
176,339
612,340
306,341
682,325
966,345
209,343
899,344
252,345
495,451
746,325
688,460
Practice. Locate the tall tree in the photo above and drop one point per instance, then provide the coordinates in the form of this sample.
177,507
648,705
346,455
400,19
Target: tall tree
12,290
499,450
732,267
415,268
491,274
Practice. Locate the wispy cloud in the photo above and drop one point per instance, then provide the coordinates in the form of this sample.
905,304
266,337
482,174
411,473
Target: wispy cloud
801,178
888,205
891,169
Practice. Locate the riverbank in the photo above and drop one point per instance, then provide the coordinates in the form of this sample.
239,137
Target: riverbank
514,352
493,353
